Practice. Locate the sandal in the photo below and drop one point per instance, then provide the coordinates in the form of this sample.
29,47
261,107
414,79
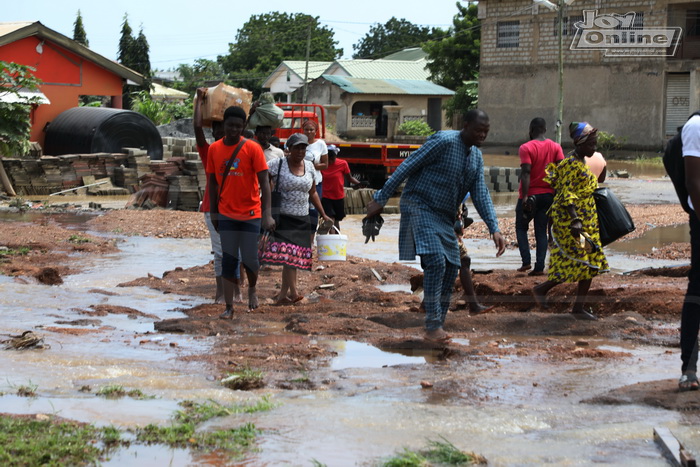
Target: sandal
688,382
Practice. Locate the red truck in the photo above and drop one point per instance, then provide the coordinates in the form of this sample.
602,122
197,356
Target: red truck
372,162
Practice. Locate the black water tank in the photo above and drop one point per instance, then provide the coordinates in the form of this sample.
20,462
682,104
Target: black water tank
87,130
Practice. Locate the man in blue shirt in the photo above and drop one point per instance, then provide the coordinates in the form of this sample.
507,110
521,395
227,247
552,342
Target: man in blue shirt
438,177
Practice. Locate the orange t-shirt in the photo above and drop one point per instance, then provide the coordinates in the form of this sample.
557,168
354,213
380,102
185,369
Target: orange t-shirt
240,198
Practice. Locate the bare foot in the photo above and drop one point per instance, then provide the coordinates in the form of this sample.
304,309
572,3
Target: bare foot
437,335
252,299
540,298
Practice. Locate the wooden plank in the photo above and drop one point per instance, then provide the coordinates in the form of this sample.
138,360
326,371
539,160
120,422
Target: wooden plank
673,449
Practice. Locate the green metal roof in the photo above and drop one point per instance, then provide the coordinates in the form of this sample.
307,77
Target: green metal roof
412,54
381,69
387,86
316,69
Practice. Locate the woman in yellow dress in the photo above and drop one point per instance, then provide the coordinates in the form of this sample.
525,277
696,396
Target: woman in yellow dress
576,254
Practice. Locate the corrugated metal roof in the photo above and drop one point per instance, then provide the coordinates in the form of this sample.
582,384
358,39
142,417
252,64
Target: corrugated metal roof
355,85
381,69
316,69
412,54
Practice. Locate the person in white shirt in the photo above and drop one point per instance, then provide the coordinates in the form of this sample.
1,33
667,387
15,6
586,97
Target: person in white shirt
690,315
263,135
317,153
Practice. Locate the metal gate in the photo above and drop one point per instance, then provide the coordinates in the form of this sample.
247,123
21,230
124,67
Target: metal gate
677,101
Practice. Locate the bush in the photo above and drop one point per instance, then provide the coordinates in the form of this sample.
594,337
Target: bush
465,98
415,128
608,141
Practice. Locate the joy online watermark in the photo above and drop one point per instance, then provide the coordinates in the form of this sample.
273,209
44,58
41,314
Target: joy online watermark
613,33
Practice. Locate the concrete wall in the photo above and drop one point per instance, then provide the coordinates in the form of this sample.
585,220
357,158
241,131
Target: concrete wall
324,93
623,95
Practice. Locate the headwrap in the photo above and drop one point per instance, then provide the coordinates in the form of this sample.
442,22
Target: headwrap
335,149
310,122
580,131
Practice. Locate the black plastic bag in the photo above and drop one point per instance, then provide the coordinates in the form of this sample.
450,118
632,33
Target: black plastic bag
613,219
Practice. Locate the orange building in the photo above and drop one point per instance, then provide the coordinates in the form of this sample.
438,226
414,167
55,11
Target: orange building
66,68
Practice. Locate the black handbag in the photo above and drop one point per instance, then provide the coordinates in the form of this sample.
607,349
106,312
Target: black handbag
276,197
613,219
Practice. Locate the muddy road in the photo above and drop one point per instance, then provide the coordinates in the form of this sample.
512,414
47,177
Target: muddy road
124,297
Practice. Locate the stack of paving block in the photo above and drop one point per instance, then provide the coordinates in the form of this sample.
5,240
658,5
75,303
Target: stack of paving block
17,174
183,193
181,146
500,179
127,178
154,191
172,166
356,200
52,172
195,168
167,147
138,159
69,179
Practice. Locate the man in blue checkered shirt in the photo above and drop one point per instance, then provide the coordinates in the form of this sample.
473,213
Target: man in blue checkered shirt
438,177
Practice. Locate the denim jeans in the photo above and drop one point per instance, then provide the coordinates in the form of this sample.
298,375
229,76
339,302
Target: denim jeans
690,315
542,204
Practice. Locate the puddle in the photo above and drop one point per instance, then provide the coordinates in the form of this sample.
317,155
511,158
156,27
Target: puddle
653,239
353,354
394,288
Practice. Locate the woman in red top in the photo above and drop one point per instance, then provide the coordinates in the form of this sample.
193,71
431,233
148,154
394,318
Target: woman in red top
334,178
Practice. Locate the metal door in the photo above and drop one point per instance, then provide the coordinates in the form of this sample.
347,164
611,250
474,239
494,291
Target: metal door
677,101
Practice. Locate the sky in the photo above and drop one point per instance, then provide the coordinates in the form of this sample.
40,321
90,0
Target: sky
180,32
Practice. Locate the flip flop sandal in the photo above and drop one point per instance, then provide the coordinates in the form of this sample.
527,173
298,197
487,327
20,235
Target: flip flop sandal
688,383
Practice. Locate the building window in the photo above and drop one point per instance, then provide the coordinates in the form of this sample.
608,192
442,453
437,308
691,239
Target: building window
569,25
626,36
508,34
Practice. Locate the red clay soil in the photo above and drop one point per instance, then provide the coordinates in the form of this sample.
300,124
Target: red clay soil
342,302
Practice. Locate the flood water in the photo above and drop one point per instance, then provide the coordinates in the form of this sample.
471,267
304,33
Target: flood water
513,410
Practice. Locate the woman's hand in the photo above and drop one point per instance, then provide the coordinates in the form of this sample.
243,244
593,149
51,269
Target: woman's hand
576,227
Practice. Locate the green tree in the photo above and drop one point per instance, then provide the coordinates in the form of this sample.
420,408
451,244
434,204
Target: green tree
79,34
266,40
126,40
15,125
454,59
392,36
197,75
133,53
142,62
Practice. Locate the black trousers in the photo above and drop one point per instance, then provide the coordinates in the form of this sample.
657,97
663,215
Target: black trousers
690,316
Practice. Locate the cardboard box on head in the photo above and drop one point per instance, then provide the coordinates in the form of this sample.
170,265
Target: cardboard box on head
221,97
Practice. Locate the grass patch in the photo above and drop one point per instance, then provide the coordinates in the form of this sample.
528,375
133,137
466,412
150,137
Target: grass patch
183,433
27,390
116,391
657,160
21,251
304,378
436,453
49,441
244,379
196,412
78,239
234,440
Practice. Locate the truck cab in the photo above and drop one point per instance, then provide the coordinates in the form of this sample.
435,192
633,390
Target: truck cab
370,162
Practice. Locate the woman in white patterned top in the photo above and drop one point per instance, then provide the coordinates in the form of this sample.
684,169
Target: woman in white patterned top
290,243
